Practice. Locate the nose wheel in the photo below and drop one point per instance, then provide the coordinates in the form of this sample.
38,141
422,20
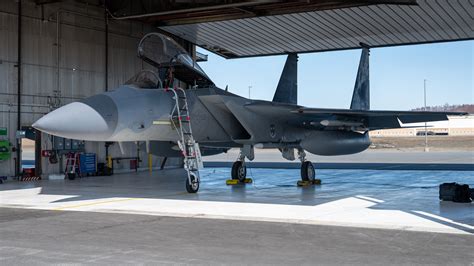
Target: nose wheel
192,183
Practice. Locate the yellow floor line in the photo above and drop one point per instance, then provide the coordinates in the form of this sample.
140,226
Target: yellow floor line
92,204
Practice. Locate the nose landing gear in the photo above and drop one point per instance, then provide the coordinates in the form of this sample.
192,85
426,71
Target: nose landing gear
192,183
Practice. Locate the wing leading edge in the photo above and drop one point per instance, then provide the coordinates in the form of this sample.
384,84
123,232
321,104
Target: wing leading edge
373,119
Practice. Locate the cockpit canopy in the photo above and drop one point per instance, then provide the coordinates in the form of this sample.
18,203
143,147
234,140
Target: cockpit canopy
163,52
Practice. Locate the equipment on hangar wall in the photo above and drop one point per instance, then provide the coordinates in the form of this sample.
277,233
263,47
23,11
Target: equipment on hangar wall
63,146
67,145
80,164
5,145
5,150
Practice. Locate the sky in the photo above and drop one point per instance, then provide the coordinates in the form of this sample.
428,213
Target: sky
326,79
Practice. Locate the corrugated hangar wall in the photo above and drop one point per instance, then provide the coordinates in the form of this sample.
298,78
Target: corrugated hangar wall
82,68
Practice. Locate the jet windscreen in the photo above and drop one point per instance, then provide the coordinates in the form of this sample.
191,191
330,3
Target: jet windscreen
145,79
162,51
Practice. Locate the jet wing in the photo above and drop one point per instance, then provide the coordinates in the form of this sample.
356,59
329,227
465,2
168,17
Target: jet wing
372,119
329,119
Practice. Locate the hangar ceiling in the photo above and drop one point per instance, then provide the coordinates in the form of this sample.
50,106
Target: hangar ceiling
167,13
236,28
334,29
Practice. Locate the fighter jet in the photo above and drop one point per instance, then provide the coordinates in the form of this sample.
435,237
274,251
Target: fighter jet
200,119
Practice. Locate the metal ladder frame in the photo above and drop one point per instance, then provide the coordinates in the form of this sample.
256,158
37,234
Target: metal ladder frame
187,144
75,158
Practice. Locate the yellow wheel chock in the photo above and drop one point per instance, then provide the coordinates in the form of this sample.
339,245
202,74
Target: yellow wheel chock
230,182
308,183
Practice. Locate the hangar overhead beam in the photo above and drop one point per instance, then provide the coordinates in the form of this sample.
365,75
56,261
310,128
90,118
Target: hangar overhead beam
336,28
167,13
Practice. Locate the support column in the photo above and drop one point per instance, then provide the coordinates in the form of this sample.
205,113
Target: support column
106,33
150,163
38,165
18,122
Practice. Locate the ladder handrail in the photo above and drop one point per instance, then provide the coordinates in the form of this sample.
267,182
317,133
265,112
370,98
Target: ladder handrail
176,109
187,144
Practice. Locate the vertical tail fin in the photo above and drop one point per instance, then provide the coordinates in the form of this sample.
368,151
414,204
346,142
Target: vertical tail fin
361,95
287,89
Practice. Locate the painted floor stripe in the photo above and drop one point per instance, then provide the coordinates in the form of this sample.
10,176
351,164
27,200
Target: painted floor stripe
92,204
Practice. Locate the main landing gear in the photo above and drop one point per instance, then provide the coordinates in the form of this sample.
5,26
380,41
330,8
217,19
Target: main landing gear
308,174
239,172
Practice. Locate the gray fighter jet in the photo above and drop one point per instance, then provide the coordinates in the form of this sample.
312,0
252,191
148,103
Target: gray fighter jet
152,108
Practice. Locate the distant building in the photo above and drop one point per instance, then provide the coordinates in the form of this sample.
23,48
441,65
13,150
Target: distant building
455,126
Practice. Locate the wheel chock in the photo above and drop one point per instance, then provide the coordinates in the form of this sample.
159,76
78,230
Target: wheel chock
301,183
230,182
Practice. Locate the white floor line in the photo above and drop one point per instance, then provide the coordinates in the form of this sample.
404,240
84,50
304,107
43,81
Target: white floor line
350,211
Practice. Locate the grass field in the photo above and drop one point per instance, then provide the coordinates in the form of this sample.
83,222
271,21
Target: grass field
435,143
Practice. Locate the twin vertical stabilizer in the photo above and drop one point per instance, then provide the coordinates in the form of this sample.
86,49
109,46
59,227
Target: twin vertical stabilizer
361,95
287,89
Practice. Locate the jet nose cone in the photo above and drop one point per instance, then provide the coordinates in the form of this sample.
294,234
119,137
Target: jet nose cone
76,121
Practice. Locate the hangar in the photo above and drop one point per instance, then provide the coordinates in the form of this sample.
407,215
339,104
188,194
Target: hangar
54,52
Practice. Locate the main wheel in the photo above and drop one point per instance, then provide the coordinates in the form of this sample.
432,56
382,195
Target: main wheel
71,176
239,171
307,171
192,187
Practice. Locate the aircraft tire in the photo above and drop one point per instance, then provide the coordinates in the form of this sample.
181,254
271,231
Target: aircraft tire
71,176
307,171
239,171
194,186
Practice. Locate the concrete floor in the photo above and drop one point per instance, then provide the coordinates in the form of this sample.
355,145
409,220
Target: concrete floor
39,237
367,156
127,218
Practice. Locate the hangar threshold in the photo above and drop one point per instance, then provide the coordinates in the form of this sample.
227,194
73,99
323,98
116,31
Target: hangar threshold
395,200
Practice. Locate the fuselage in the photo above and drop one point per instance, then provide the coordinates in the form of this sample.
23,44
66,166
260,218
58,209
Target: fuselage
218,119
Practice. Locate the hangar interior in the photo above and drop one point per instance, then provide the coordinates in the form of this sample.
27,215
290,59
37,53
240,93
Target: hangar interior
69,51
53,52
370,209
